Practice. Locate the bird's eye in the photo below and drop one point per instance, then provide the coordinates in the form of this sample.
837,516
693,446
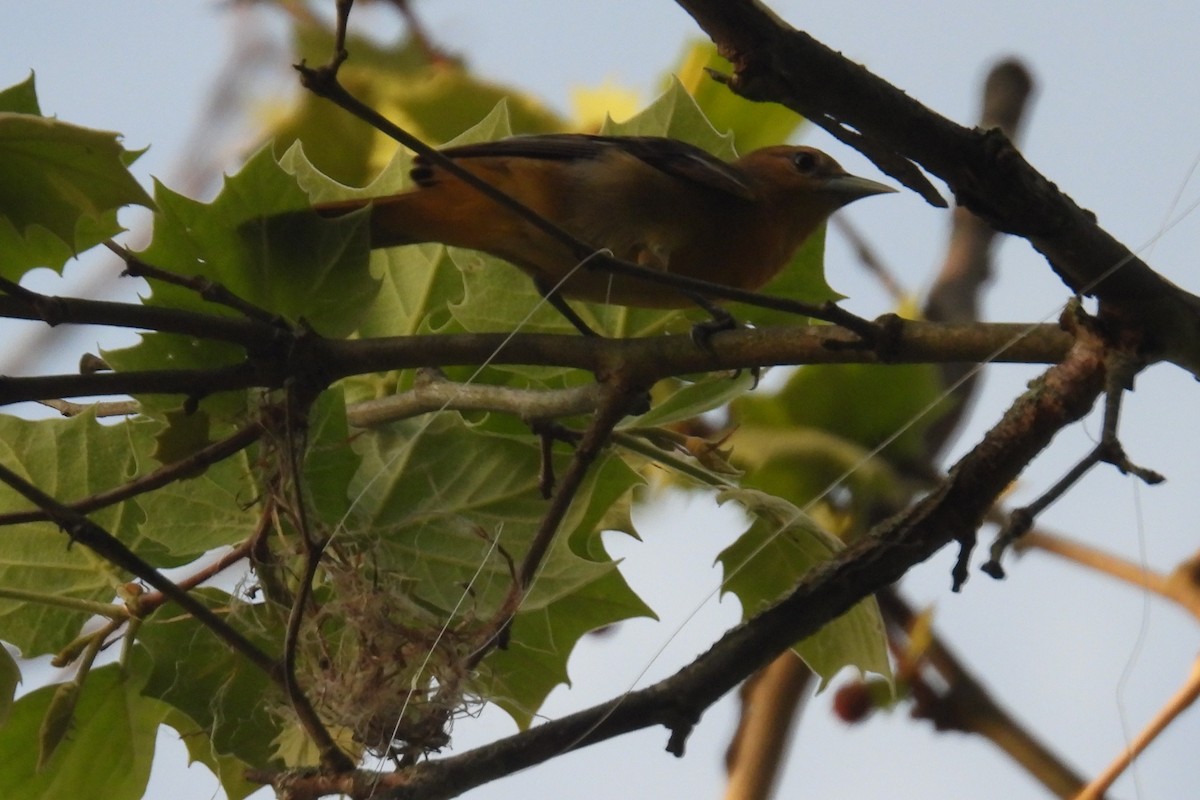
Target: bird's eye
804,161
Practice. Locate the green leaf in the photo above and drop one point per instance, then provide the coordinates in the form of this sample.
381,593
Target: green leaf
753,125
189,517
864,403
440,533
252,240
60,185
278,261
57,721
70,460
768,559
10,676
183,435
801,463
225,702
519,677
416,284
229,770
157,350
21,98
688,399
106,752
330,462
674,114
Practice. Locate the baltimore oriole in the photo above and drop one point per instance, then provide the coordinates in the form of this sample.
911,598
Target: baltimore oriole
653,201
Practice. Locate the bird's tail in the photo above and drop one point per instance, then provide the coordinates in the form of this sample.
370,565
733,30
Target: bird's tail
395,220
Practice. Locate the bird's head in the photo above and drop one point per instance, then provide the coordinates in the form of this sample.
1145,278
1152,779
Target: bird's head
805,177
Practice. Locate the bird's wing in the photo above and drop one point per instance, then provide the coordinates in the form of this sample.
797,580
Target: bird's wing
671,156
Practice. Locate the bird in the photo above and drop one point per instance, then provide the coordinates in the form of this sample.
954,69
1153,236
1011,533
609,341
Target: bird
657,202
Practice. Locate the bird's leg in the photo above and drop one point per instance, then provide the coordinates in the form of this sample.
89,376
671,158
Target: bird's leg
654,256
721,320
556,300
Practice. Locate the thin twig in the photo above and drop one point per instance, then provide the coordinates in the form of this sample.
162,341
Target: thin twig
612,410
82,530
1119,371
168,473
416,30
966,705
255,336
1181,701
1181,586
209,290
115,408
314,548
868,257
152,600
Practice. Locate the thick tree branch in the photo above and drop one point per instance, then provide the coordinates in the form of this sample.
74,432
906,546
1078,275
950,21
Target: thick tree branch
318,360
986,173
956,294
952,512
666,356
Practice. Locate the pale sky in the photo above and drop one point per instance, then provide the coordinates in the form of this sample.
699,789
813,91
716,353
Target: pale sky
1115,123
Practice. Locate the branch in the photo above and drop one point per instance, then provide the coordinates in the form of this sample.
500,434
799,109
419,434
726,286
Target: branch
619,397
1181,586
192,383
987,174
955,295
166,474
966,705
1119,378
771,703
314,359
207,289
666,356
115,408
1179,702
22,303
81,529
951,512
433,392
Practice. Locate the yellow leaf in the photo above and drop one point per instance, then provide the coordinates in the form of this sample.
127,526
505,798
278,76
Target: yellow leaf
591,105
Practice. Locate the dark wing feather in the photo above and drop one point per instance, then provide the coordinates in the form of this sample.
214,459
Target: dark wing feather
675,158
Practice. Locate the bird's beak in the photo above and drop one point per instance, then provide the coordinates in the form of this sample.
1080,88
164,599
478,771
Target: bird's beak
848,188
